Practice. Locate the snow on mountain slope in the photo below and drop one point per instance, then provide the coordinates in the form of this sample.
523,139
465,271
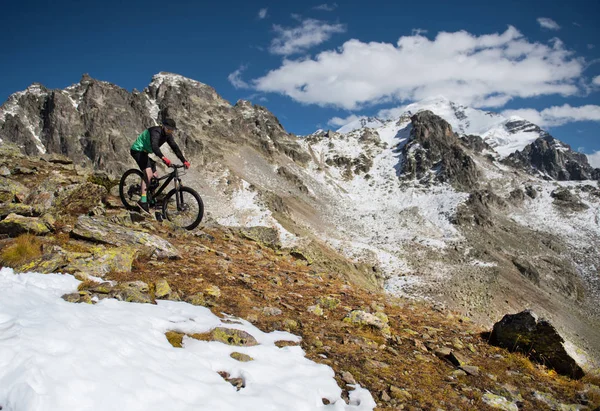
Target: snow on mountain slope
505,135
376,214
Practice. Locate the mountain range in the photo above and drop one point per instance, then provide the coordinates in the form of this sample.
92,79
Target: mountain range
484,214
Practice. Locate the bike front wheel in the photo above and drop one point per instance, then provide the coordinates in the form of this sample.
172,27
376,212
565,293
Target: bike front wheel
130,188
187,212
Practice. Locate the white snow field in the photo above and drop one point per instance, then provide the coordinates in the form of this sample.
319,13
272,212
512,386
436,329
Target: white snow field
56,355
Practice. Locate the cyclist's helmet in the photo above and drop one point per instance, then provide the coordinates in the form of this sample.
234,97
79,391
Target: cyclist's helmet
169,125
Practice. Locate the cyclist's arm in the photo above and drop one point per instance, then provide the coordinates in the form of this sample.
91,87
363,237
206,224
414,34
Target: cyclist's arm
175,148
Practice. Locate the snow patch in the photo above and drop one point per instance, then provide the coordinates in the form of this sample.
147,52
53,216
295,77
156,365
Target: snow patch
56,355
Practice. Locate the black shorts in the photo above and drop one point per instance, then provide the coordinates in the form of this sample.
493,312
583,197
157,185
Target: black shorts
143,160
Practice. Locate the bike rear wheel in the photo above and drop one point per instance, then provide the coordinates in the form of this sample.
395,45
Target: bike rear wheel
188,214
130,188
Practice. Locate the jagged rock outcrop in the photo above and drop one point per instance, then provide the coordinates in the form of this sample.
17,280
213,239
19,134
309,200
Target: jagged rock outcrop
537,338
434,152
94,122
554,159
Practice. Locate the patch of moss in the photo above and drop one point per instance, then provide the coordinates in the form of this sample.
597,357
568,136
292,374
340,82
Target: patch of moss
102,180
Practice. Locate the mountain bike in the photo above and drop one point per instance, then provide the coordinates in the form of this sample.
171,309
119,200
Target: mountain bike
182,205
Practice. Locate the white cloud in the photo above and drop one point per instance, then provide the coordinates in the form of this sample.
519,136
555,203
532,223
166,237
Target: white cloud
418,32
326,7
310,33
594,159
557,115
486,70
262,13
596,80
547,23
338,121
235,78
590,46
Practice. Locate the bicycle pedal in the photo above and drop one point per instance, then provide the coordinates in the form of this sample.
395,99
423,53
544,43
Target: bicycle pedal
158,216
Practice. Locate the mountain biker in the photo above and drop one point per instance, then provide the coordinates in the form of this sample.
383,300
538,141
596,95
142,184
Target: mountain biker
149,142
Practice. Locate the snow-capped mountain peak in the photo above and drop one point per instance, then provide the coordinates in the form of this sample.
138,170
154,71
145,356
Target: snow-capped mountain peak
505,134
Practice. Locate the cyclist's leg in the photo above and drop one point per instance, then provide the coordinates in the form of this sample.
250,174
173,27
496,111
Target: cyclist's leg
144,162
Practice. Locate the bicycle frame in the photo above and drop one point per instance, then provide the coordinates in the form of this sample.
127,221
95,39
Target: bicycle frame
174,175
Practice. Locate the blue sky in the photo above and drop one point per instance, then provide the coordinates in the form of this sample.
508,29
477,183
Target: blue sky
317,64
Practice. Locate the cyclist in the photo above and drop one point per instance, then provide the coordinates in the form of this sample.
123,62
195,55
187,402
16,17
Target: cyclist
149,142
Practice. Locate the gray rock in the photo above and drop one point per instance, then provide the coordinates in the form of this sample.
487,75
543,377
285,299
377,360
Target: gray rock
553,158
101,230
271,311
14,225
232,336
11,190
17,208
538,338
435,153
133,292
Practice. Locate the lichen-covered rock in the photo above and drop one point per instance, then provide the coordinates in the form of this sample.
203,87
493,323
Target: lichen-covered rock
47,191
329,303
213,291
316,310
103,261
501,403
11,190
241,357
48,263
81,199
359,317
15,224
197,299
101,230
232,336
162,289
524,332
79,297
133,292
17,208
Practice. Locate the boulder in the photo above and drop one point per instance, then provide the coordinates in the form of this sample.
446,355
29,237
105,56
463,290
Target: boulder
132,292
17,208
379,320
81,199
100,230
105,260
11,190
46,192
538,338
232,336
15,224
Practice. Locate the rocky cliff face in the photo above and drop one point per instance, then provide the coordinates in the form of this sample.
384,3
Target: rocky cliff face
94,122
434,152
553,159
